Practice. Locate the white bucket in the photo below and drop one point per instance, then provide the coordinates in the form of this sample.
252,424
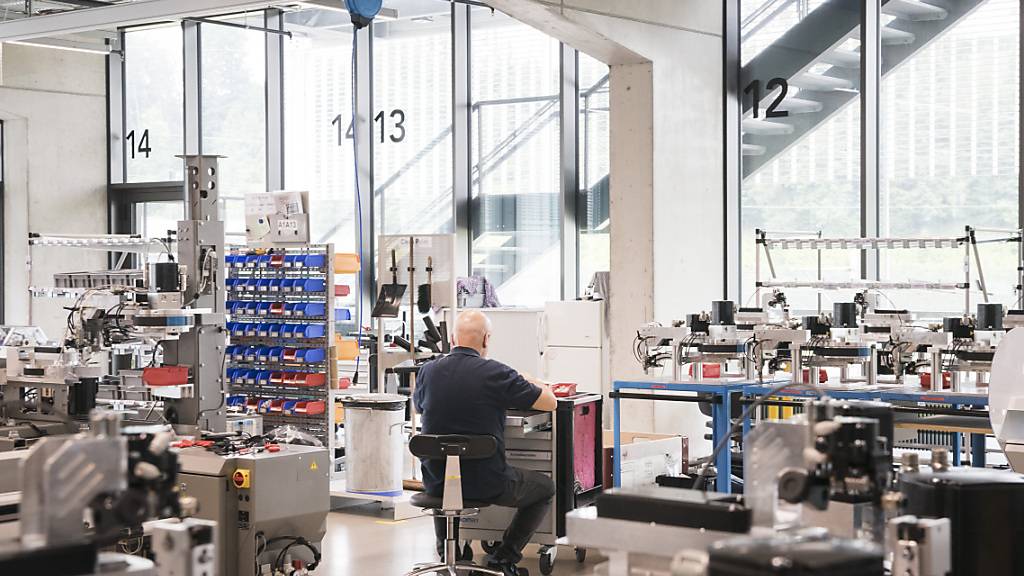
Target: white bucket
374,443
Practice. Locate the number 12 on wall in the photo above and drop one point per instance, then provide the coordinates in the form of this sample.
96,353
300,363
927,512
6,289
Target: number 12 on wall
754,89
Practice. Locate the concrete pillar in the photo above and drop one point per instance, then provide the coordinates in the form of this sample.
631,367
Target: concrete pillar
631,209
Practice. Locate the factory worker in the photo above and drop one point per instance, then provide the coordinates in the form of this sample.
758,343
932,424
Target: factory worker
467,393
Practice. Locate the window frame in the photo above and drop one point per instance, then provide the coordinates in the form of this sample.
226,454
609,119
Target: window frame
124,196
871,24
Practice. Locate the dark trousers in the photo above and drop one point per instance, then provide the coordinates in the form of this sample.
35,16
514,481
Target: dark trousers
530,493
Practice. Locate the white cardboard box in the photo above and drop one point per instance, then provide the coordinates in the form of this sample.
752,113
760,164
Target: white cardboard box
645,457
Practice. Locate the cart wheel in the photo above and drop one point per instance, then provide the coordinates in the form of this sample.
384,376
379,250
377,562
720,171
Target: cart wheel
547,560
467,551
490,546
581,555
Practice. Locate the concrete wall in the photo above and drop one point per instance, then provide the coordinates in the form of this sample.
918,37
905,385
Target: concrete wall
667,247
53,106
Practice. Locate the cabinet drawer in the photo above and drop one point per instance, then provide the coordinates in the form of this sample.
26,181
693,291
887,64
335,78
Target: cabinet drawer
528,422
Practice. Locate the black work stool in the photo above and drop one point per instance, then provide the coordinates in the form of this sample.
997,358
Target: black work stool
452,448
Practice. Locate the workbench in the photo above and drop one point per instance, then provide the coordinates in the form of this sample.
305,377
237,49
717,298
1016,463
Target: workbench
720,391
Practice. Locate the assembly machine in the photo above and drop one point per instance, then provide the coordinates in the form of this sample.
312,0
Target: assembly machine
176,311
269,500
86,493
821,497
858,344
722,342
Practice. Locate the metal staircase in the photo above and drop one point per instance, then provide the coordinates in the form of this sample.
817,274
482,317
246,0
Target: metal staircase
818,58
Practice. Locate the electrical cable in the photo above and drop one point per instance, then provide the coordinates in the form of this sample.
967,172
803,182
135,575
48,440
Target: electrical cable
359,213
223,362
152,359
293,541
698,484
260,549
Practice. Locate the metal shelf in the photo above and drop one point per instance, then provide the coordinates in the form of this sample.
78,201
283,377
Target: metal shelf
107,242
862,285
861,243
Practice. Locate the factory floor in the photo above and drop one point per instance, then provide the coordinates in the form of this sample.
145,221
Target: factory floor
362,540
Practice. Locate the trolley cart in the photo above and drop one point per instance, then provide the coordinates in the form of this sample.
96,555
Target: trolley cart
566,445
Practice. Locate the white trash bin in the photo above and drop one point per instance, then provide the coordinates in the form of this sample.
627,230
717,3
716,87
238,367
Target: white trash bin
374,443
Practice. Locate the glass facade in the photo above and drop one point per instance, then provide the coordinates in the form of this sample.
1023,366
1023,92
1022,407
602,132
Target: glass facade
153,103
512,206
412,93
801,160
155,219
949,154
234,120
947,150
318,153
515,214
594,169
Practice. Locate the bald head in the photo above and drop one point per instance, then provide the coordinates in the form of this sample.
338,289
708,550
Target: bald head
473,330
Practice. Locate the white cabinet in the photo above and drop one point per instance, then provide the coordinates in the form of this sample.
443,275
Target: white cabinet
582,366
575,348
579,324
515,338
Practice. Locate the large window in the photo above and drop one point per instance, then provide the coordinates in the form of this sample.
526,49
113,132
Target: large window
801,171
515,149
412,92
317,116
950,136
218,84
234,113
156,219
594,169
154,134
947,151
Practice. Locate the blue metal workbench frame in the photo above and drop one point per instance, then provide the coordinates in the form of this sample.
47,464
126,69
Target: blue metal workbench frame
721,408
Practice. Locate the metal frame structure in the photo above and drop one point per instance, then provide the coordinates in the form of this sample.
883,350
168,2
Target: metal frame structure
871,23
3,263
193,22
871,246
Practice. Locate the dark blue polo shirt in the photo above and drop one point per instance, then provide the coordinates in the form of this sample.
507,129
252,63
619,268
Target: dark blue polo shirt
463,393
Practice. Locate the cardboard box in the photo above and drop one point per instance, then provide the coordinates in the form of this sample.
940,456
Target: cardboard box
645,457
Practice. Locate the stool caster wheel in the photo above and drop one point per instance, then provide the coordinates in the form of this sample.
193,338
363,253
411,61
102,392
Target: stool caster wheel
581,555
490,546
547,559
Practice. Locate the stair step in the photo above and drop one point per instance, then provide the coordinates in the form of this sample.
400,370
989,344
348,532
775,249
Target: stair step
800,106
820,83
891,36
842,58
765,128
753,150
914,10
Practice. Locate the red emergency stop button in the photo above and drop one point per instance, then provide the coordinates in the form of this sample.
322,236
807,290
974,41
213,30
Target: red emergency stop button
240,478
